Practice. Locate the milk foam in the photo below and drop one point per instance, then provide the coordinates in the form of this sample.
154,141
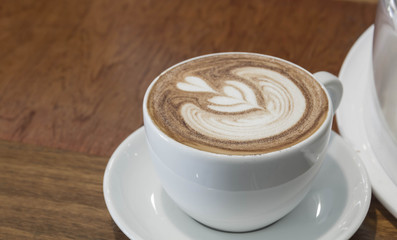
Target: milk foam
237,104
283,107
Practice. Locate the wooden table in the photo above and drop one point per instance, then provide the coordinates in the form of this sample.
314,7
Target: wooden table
73,75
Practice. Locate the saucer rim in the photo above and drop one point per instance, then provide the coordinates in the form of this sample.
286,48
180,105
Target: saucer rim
106,181
355,222
383,187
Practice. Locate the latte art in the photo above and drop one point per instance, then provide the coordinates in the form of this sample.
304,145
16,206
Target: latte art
226,116
237,104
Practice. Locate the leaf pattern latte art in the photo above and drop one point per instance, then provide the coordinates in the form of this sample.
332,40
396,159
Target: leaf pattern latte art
233,110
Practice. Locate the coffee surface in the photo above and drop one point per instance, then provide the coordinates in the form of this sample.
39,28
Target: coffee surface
239,104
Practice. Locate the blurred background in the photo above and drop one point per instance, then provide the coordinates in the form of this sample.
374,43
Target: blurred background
73,73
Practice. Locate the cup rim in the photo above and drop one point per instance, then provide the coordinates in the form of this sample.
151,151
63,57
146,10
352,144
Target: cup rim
287,150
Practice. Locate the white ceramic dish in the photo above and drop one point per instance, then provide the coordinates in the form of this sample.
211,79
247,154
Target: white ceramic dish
356,76
333,209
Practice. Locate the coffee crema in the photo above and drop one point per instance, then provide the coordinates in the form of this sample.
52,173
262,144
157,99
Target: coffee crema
237,104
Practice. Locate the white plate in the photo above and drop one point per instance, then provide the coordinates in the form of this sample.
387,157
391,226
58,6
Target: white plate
333,209
356,74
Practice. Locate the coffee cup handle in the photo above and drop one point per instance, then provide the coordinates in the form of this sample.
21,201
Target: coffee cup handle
333,85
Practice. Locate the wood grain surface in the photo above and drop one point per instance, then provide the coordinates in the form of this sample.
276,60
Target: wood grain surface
52,194
72,78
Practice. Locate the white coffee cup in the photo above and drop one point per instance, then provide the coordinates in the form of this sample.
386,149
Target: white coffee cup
240,193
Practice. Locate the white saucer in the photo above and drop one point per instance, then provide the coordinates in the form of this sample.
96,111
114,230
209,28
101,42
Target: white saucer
333,209
356,75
